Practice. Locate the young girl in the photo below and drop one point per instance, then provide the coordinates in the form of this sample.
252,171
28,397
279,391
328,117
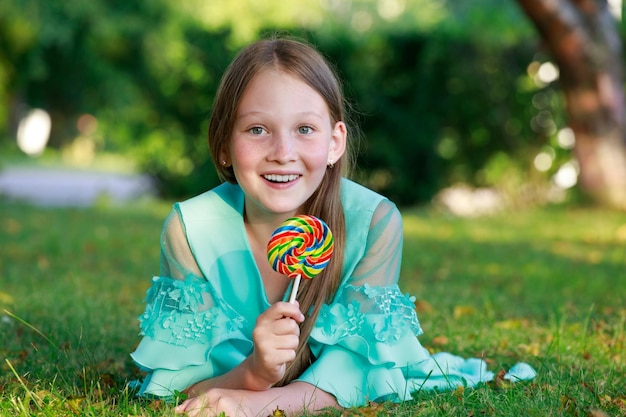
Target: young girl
217,325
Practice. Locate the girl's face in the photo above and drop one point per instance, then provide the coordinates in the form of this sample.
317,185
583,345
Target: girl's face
282,140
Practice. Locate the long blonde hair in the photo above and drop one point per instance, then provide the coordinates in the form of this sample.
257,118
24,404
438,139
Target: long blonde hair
307,64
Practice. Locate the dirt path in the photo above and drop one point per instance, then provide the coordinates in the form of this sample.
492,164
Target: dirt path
66,187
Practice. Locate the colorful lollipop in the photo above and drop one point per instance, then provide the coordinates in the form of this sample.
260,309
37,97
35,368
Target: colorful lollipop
301,246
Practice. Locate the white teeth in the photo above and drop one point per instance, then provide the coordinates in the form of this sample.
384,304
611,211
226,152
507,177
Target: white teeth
280,178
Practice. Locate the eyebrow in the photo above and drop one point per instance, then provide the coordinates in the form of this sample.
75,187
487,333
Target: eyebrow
260,113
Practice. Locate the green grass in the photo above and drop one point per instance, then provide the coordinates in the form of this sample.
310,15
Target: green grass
543,286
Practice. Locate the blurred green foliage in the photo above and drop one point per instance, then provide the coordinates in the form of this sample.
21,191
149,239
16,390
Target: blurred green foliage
440,89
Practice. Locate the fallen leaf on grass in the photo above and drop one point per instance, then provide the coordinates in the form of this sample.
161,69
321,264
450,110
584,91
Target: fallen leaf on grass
6,300
512,324
100,405
568,404
500,382
532,349
597,413
156,405
440,340
422,306
107,380
278,413
461,311
75,404
371,410
44,396
619,402
459,392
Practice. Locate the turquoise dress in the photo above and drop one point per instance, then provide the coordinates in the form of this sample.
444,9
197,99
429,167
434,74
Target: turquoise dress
202,308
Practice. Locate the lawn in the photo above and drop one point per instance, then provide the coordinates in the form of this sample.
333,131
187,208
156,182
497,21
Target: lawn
544,286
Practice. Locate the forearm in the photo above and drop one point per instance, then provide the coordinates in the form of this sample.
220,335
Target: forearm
240,377
297,397
293,399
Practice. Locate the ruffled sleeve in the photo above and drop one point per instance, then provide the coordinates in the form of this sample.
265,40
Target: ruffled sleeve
364,343
189,332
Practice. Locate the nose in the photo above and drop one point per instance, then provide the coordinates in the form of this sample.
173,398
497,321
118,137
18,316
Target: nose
282,148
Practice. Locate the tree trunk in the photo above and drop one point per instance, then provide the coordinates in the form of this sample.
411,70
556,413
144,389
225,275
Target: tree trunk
582,36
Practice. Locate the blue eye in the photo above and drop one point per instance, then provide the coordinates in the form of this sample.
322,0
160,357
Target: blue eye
305,130
257,130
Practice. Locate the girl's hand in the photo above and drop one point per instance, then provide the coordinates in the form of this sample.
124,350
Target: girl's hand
276,336
216,401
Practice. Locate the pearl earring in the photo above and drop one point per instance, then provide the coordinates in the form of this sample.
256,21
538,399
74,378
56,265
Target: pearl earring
224,163
331,163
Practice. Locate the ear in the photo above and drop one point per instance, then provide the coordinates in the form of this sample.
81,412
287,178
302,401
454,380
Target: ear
337,141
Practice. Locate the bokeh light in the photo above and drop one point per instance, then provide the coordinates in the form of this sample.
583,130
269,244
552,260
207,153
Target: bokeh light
567,175
543,161
566,139
33,132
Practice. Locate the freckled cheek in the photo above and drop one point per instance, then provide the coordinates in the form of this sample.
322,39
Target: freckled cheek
318,162
315,155
244,155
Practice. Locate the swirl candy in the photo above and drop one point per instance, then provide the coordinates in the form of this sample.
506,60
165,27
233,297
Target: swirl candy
301,247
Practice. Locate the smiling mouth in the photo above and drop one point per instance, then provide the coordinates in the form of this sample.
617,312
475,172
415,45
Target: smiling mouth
281,178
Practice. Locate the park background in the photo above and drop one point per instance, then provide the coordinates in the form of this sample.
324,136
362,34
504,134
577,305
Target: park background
464,108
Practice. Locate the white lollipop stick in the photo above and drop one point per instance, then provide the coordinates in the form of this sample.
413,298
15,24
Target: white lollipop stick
294,289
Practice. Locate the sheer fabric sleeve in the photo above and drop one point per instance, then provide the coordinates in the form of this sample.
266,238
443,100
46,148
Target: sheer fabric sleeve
186,326
177,261
381,264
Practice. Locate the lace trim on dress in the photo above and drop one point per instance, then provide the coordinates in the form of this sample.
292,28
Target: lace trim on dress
178,312
384,314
